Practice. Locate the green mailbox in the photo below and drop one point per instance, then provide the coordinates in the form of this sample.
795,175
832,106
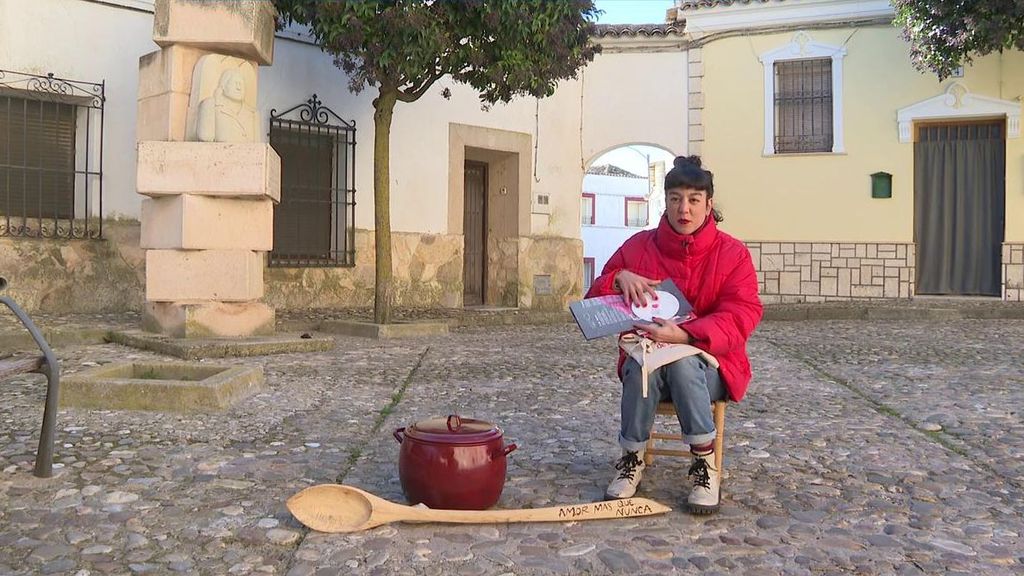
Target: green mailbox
881,185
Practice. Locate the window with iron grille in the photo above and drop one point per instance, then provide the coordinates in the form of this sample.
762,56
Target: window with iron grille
314,224
51,146
803,106
636,212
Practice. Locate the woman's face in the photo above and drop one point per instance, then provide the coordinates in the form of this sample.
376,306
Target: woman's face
234,86
687,209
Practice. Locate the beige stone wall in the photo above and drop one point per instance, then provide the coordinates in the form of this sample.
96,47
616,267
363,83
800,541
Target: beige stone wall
502,272
61,277
1013,272
826,271
550,272
427,272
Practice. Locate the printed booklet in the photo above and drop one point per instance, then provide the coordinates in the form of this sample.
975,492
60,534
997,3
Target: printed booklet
609,315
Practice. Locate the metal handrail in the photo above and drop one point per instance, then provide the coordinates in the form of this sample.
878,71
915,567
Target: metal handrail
44,456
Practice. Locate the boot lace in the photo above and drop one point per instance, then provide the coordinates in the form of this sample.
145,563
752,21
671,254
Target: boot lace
699,470
628,464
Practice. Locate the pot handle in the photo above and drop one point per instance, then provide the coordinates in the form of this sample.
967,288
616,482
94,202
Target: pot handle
399,434
509,449
458,422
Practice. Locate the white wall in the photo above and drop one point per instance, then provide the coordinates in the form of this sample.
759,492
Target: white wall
609,230
91,43
102,41
635,98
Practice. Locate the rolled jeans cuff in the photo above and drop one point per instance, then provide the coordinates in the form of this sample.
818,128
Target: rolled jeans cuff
700,439
631,445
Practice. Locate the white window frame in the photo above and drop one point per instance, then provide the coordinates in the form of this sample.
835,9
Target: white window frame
803,48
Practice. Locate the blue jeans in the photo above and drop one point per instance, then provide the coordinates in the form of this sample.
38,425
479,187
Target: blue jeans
690,383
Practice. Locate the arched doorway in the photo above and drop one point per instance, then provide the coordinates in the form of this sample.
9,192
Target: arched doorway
622,195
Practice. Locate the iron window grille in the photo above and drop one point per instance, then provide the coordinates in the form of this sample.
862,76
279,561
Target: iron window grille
803,106
51,157
314,224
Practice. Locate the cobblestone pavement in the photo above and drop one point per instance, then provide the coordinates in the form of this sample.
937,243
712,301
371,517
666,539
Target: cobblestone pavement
862,447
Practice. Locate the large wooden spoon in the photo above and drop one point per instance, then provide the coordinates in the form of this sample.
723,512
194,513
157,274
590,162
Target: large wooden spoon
340,508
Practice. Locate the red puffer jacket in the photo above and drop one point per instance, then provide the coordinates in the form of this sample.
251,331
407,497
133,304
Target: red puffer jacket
715,273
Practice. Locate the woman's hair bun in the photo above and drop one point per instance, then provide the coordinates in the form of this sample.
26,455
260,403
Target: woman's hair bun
682,161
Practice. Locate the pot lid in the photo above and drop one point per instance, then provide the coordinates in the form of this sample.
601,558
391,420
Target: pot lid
453,430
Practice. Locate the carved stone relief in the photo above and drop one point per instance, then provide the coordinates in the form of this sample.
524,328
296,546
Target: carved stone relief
222,105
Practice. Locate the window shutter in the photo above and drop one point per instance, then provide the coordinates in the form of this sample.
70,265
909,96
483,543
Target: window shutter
37,158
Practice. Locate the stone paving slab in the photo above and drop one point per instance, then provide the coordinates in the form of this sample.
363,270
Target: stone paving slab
831,467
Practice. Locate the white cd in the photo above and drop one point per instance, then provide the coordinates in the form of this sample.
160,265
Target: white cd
666,306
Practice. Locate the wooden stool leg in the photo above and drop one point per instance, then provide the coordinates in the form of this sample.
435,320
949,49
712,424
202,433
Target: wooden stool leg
649,451
719,413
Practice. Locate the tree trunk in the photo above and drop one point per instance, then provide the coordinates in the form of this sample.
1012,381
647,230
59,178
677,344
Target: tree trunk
384,107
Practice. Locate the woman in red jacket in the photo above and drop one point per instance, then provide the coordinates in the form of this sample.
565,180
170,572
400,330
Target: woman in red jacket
715,273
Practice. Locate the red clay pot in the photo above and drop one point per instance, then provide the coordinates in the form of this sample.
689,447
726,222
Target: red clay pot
452,463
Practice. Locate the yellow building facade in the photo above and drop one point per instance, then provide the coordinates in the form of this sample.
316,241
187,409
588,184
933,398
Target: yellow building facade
798,187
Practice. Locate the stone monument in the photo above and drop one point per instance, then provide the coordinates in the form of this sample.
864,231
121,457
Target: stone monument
210,182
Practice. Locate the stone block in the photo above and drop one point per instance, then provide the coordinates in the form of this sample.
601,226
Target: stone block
695,117
786,248
866,291
892,288
1017,255
809,288
162,117
696,69
771,262
251,171
225,275
696,85
828,286
207,222
789,283
1014,275
696,101
695,55
173,387
844,282
208,319
168,70
821,248
242,28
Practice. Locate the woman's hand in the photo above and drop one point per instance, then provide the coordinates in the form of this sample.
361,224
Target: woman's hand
635,287
662,330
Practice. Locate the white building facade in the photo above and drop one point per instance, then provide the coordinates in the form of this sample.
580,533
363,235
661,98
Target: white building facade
613,207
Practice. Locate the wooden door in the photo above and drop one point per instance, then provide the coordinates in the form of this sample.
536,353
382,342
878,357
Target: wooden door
475,231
